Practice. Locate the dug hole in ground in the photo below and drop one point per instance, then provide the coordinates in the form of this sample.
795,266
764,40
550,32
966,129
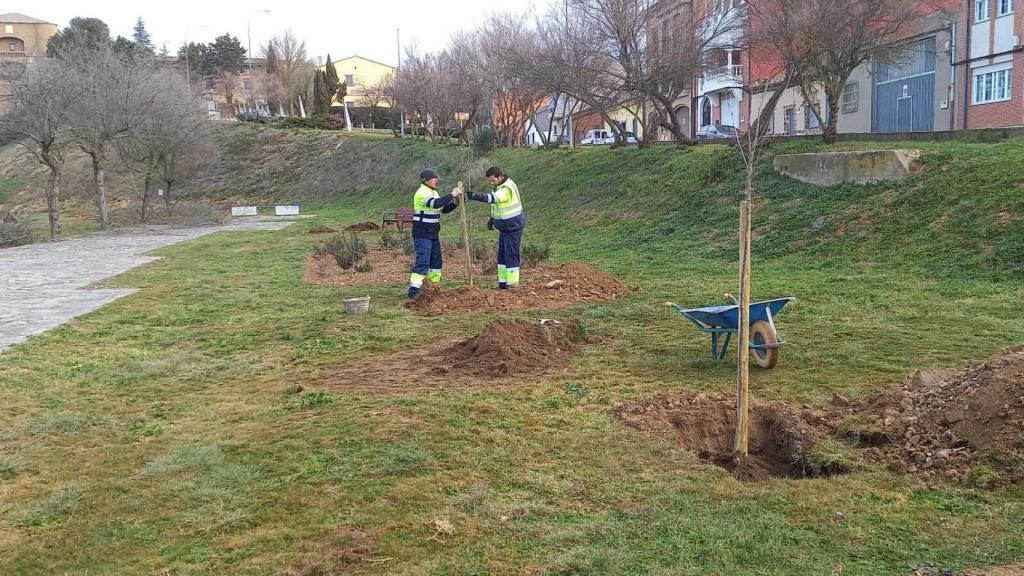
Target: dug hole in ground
964,426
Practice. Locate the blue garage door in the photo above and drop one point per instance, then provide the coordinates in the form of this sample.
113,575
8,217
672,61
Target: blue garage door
905,90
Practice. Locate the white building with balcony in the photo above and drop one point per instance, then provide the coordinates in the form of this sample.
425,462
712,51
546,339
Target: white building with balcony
720,87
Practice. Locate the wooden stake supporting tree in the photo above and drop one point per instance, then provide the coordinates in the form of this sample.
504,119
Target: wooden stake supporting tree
742,445
466,244
749,146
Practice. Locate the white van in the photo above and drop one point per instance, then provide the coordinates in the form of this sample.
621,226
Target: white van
597,136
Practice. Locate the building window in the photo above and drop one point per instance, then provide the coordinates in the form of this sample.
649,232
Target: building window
789,121
980,10
851,97
8,28
993,86
1005,7
810,118
349,80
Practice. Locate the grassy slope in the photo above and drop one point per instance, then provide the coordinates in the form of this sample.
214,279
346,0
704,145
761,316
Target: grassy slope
156,433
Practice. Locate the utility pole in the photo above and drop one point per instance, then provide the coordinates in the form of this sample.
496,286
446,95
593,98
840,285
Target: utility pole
188,79
398,66
248,32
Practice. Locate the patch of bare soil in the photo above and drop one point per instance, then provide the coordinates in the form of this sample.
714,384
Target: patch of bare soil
964,426
544,287
321,229
340,553
503,354
782,438
387,267
363,227
945,423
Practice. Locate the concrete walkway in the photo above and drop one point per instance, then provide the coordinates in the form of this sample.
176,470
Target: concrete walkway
41,284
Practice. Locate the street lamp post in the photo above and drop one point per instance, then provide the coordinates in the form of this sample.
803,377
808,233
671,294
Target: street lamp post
248,32
188,80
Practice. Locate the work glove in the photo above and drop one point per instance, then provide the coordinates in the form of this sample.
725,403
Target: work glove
490,223
478,197
458,190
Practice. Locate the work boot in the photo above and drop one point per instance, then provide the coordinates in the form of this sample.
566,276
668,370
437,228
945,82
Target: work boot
413,292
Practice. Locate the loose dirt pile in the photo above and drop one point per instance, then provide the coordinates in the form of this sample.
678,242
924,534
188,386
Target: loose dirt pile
321,229
965,426
544,287
947,423
783,440
508,347
363,227
506,352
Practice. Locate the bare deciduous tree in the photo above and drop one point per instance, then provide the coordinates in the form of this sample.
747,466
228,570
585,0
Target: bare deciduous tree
373,94
294,71
822,46
154,149
116,95
38,115
576,51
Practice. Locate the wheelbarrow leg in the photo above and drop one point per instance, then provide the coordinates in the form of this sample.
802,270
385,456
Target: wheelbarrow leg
725,346
714,348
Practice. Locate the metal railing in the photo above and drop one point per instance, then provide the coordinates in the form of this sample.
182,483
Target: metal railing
733,71
20,54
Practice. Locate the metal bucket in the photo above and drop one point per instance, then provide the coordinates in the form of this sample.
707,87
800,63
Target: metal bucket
358,305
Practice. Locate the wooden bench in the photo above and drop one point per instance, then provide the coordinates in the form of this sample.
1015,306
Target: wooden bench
399,217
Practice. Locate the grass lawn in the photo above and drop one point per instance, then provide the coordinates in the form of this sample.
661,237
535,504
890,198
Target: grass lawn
160,434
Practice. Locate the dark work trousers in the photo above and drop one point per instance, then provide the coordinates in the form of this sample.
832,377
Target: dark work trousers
508,258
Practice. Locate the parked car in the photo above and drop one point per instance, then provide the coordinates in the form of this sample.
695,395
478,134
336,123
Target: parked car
718,132
562,140
629,138
597,136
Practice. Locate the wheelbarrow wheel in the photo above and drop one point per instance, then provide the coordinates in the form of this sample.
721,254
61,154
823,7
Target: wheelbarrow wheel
761,333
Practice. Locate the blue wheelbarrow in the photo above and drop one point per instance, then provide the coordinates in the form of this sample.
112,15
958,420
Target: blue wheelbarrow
718,320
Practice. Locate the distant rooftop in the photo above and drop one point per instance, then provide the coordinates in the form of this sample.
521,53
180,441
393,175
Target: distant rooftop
15,18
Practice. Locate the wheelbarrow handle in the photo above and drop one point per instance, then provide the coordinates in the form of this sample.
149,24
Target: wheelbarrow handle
733,298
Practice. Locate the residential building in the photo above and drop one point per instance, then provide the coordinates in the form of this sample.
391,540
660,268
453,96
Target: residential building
993,73
356,72
720,96
537,131
914,90
667,21
23,36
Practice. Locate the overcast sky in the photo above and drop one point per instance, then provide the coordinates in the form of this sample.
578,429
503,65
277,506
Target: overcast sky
348,27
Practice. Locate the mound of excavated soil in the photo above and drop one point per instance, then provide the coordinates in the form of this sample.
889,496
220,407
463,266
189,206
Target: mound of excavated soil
362,227
964,426
543,287
945,423
516,348
322,230
782,439
507,347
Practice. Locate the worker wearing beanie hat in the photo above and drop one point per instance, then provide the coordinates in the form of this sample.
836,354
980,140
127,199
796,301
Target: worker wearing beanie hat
427,206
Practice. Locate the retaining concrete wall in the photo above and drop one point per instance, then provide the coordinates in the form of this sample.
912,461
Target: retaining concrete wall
856,167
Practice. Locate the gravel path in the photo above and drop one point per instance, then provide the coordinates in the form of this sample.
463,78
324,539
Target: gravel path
41,285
